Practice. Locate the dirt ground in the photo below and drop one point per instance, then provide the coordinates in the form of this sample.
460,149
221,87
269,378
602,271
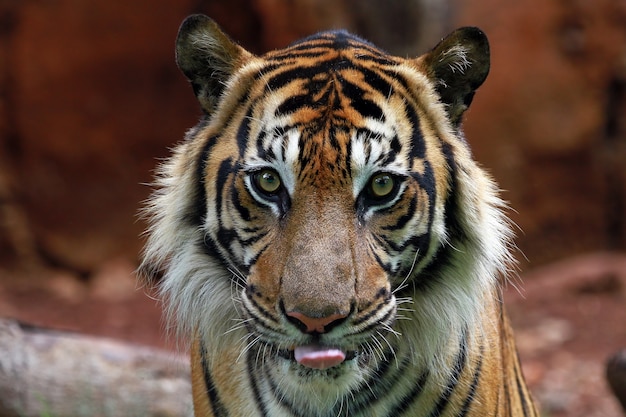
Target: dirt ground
570,317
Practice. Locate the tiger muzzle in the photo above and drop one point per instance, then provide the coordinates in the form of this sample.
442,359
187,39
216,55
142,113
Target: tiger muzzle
318,278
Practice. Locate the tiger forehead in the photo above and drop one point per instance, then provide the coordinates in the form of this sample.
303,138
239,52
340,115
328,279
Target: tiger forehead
331,42
328,108
324,158
330,72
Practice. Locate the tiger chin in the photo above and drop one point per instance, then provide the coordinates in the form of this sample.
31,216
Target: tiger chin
323,238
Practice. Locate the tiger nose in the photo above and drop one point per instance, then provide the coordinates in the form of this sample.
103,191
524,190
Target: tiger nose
313,324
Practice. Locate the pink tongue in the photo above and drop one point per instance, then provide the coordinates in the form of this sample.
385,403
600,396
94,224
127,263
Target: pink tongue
318,357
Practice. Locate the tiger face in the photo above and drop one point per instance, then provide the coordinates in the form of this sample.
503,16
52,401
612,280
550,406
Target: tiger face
325,218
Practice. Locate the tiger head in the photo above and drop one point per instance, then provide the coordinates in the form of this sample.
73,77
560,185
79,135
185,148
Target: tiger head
325,215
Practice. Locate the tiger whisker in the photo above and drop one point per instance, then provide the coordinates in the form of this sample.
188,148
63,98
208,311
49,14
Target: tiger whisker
391,330
399,302
258,353
249,346
403,283
241,278
378,347
340,400
393,351
241,325
404,300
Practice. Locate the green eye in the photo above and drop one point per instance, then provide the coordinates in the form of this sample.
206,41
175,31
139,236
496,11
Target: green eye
381,185
267,181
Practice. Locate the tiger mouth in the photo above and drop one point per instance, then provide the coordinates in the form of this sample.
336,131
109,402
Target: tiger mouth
317,357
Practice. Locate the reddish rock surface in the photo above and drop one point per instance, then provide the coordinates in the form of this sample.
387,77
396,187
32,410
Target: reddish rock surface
549,121
91,98
570,319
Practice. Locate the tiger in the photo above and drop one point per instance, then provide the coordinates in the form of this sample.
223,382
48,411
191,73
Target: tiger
323,240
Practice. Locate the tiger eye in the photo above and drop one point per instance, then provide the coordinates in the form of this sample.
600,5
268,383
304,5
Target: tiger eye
268,181
381,185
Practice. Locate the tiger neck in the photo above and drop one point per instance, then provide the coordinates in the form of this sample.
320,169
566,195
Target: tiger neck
482,377
397,382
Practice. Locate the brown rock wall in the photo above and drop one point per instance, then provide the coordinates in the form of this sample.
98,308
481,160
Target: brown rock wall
91,98
550,120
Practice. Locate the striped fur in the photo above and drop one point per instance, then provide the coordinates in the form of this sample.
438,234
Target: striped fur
327,198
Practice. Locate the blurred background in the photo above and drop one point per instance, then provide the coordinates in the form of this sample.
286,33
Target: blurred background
91,99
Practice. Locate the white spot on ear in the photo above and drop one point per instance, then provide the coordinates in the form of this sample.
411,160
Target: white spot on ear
456,58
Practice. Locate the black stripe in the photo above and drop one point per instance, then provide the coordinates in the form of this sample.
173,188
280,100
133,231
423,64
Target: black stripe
452,206
365,317
260,311
366,107
452,215
411,397
404,218
294,103
507,396
420,242
243,132
381,383
281,398
372,250
398,78
258,400
376,81
318,40
394,144
216,404
521,392
265,154
256,256
225,236
251,240
282,78
312,51
223,172
376,59
209,247
244,212
427,182
196,215
459,365
474,386
418,145
345,40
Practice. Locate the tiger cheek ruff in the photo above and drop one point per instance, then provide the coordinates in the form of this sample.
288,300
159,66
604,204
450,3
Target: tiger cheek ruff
323,238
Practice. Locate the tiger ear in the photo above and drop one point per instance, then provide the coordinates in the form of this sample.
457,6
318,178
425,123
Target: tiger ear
207,57
458,65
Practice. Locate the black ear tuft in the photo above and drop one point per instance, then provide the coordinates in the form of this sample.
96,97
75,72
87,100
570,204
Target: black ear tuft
458,65
207,57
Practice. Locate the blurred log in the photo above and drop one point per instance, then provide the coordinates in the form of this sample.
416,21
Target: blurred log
50,373
616,375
